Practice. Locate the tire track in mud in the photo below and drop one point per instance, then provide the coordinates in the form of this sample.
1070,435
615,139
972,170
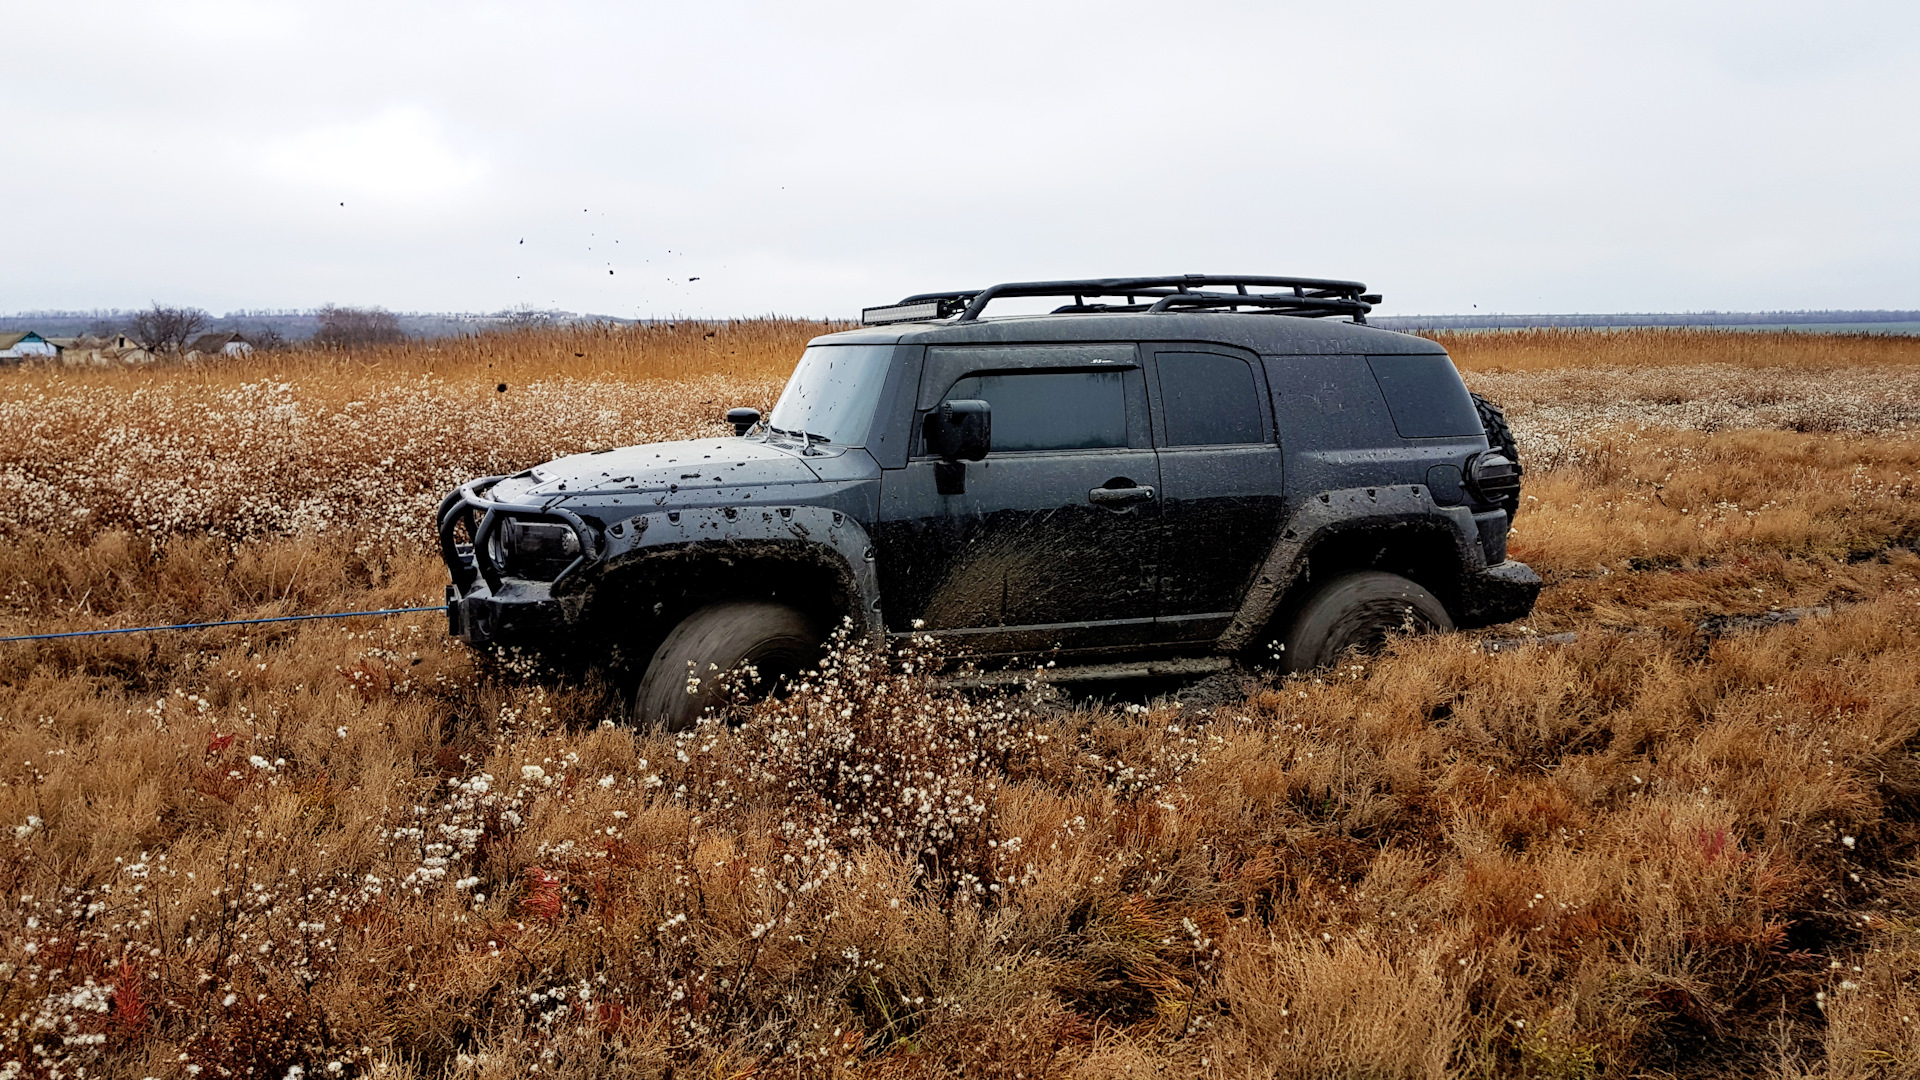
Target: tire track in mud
1715,626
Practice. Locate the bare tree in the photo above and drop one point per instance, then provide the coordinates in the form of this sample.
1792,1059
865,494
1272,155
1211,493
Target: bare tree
345,327
268,339
168,329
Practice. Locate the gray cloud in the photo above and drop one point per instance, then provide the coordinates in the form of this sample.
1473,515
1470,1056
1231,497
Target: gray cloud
808,159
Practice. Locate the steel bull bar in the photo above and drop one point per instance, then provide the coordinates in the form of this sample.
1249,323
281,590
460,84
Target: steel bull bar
467,501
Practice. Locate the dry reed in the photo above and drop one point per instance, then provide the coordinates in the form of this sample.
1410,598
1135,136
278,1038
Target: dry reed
358,849
1555,349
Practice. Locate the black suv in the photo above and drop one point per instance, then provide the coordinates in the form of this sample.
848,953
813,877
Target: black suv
1159,477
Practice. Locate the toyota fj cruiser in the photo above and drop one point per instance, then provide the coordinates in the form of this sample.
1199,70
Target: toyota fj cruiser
1157,478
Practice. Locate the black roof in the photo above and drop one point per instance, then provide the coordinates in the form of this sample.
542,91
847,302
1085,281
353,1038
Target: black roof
1254,332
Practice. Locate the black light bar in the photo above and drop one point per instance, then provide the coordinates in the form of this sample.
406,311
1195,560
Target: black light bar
911,310
894,313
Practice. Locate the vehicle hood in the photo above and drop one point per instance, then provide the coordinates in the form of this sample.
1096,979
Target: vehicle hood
688,465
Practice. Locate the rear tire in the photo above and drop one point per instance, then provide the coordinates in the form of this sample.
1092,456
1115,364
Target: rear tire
779,641
1500,439
1358,612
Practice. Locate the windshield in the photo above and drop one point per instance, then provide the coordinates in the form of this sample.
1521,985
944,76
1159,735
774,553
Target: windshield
832,393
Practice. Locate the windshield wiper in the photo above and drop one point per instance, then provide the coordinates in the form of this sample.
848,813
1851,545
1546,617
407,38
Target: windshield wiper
807,438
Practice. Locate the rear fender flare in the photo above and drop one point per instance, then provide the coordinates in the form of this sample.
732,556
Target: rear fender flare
1320,518
830,536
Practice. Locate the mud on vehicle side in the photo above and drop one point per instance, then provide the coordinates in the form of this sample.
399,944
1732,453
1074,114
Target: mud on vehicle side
1159,477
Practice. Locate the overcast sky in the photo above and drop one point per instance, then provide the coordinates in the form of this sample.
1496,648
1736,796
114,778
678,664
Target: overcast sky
810,158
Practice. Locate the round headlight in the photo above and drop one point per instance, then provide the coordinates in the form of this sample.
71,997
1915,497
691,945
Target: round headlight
500,545
517,541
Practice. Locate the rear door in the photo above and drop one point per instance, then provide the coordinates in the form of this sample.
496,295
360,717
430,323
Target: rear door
1053,542
1220,472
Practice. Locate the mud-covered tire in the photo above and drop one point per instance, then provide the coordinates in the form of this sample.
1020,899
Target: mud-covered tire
1358,612
779,641
1499,438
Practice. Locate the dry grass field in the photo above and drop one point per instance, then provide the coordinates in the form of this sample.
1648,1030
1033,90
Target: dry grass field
354,849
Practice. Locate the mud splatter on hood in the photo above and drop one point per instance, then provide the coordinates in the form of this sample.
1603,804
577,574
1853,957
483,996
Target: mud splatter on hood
691,464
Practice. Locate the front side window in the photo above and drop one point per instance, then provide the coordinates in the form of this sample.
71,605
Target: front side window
832,394
1049,410
1208,399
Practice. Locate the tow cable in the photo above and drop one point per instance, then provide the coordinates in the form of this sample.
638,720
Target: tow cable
229,622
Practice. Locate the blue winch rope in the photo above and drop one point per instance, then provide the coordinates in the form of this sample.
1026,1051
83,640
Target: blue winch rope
229,622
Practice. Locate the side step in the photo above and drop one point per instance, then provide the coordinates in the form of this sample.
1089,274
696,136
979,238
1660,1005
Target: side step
1141,669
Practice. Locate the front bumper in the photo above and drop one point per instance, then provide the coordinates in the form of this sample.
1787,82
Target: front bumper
484,605
523,613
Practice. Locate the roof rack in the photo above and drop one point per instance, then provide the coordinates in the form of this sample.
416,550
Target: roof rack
1311,298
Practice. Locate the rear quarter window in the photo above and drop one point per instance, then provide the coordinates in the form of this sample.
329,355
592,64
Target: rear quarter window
1425,396
1209,400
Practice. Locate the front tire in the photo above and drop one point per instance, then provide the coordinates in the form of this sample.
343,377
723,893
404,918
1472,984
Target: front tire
1357,612
778,641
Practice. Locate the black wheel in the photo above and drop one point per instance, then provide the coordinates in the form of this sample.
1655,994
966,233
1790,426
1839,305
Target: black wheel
1357,612
1500,438
778,641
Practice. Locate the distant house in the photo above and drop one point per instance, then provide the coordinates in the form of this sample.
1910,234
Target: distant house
93,350
26,345
221,344
124,348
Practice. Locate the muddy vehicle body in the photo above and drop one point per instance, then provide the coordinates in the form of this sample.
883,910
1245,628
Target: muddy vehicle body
1161,477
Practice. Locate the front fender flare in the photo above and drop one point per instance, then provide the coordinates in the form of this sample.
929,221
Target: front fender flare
828,535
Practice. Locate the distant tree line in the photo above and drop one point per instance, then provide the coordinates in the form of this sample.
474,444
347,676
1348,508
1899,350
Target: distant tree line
168,331
1625,320
343,326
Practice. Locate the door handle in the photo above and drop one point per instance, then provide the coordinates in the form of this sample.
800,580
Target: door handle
1106,496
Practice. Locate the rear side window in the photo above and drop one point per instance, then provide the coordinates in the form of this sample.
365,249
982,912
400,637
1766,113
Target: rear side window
1425,395
1208,399
1052,410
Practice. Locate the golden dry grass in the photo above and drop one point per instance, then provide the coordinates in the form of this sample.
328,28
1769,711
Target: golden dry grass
359,849
736,349
312,441
1554,349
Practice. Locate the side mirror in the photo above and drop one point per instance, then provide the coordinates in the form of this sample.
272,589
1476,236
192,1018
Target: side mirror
742,419
960,430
